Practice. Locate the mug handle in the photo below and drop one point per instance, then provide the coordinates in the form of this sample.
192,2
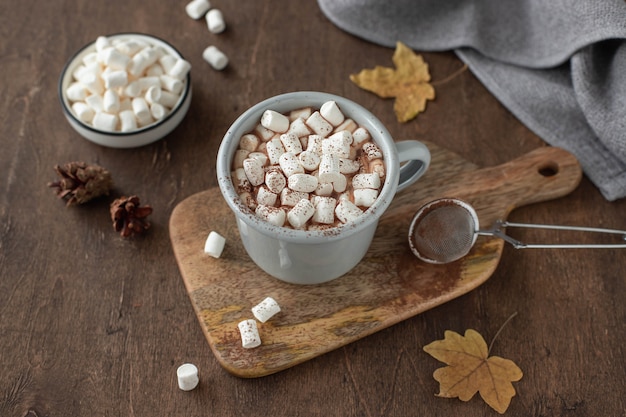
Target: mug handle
414,159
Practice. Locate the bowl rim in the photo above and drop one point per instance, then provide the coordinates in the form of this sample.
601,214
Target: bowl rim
69,113
282,233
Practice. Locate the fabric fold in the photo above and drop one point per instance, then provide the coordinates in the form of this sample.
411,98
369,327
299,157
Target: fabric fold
558,65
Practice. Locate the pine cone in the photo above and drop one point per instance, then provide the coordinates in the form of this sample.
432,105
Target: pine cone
129,217
81,182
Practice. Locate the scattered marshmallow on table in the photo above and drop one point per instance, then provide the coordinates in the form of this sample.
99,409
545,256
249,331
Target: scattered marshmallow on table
187,374
215,21
249,334
197,8
216,58
266,309
214,245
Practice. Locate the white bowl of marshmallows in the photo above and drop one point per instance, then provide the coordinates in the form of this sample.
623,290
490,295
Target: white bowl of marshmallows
125,90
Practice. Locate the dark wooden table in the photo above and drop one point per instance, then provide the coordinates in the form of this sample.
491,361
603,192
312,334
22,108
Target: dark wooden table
95,325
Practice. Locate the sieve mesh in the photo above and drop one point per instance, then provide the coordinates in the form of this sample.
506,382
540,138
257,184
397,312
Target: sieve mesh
444,234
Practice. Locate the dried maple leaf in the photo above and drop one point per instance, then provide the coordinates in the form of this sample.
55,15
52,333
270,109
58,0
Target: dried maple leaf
470,369
408,83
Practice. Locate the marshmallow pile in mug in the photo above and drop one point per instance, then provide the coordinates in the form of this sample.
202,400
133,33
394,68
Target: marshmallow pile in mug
309,169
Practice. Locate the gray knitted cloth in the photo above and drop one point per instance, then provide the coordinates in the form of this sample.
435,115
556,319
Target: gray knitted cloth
558,65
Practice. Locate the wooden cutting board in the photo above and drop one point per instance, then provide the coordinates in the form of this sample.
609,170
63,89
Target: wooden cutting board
388,286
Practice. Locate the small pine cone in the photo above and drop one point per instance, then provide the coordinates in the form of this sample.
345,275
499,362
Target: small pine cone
81,182
129,217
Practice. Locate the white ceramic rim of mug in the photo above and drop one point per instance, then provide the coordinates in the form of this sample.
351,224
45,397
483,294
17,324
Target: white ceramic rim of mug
138,137
291,101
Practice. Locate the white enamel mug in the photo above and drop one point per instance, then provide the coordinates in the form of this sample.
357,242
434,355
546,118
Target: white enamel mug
314,257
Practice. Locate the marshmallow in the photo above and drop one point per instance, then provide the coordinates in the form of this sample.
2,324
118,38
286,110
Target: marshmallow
171,84
377,166
197,8
338,144
153,94
157,111
329,168
300,213
216,58
95,102
114,59
168,99
104,121
301,113
214,245
331,112
92,82
266,309
290,164
291,143
324,209
240,156
249,334
240,180
180,69
254,171
83,112
76,92
348,166
263,132
319,125
299,128
365,197
348,124
304,183
314,144
275,181
142,60
366,181
346,211
324,189
372,151
265,196
167,62
128,122
142,111
340,184
249,142
310,161
187,375
128,46
359,136
115,79
275,121
274,150
263,159
215,21
111,102
101,43
273,215
289,197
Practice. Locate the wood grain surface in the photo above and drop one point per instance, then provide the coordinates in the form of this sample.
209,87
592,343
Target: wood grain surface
92,324
389,285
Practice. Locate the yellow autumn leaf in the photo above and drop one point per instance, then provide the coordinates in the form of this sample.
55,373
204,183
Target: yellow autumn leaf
470,369
408,83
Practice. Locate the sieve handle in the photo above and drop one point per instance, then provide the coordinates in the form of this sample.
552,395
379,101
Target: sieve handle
414,159
497,231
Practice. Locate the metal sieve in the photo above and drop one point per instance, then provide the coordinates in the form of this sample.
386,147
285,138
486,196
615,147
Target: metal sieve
446,229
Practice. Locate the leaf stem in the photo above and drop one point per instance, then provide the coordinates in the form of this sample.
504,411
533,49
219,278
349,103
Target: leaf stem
499,331
451,76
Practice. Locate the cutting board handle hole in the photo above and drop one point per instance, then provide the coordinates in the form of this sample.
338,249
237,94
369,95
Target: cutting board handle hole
549,170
